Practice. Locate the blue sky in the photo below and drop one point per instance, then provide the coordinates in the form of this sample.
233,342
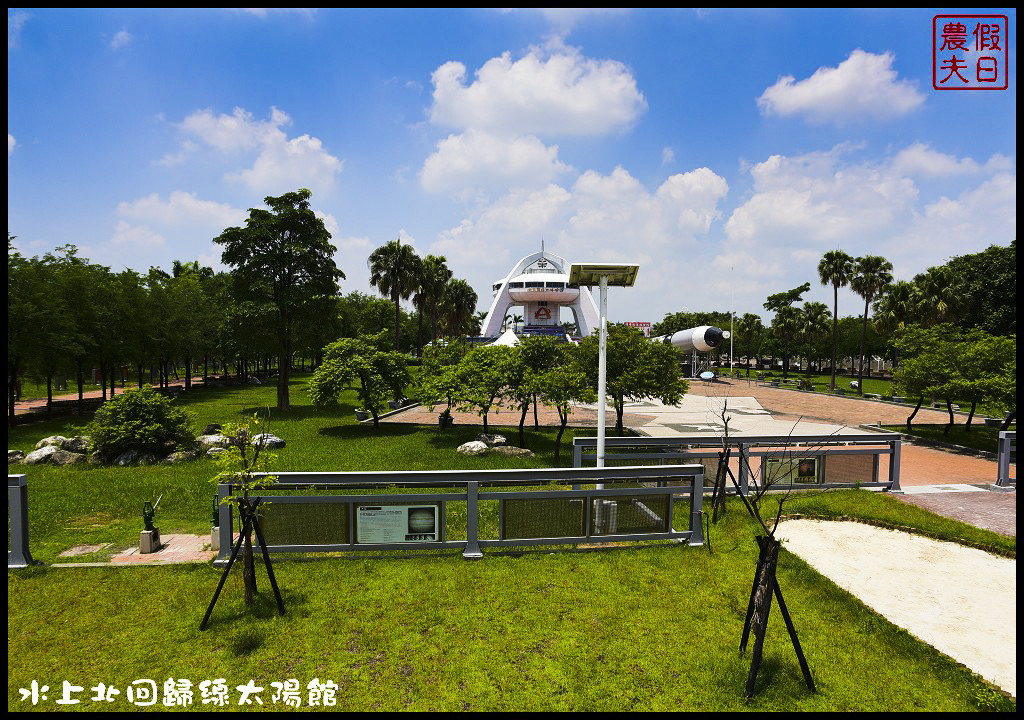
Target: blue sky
722,150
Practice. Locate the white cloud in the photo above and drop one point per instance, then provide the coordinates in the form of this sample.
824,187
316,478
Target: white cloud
136,237
804,205
15,22
815,199
611,217
182,209
862,86
561,93
121,39
282,163
668,156
476,159
921,160
11,144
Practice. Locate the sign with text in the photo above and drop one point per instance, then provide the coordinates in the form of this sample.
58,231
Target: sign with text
970,52
396,524
644,327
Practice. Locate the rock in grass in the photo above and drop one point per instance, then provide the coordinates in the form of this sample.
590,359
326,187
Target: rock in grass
77,444
14,456
511,451
491,440
205,442
212,429
56,440
473,447
268,440
135,457
180,456
52,455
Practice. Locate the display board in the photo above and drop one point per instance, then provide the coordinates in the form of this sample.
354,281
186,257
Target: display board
397,524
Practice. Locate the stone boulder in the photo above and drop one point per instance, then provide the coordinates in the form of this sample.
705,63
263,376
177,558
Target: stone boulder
180,456
511,451
55,440
135,457
211,429
205,442
473,447
77,444
53,455
268,440
491,440
15,456
253,380
215,450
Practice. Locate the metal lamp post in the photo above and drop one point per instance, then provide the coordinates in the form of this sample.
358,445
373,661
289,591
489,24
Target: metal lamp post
603,275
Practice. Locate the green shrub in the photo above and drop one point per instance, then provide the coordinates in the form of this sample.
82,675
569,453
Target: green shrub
140,420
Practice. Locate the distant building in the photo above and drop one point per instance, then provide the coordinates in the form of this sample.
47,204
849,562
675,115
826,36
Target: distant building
539,283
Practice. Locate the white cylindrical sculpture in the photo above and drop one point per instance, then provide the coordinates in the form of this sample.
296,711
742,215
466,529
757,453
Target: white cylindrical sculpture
701,338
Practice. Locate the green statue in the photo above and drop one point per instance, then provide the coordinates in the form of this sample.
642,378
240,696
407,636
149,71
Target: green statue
149,513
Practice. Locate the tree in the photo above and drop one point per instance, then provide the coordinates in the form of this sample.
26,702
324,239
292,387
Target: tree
785,327
434,276
813,324
750,329
938,293
382,374
988,289
483,376
895,311
395,271
282,257
636,369
872,276
458,302
835,269
562,385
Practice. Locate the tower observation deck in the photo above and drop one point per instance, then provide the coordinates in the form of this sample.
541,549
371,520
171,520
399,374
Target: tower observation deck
539,283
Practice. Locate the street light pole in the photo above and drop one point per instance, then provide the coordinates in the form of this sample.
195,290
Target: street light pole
602,374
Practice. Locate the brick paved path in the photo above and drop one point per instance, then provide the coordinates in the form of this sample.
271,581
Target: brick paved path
996,511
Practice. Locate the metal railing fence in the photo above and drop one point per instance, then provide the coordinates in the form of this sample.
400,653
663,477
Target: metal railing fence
836,461
1007,455
350,520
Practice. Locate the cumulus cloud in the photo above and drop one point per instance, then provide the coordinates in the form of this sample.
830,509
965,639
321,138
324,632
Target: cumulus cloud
611,217
802,206
561,93
475,159
182,209
864,85
136,237
921,160
282,163
121,39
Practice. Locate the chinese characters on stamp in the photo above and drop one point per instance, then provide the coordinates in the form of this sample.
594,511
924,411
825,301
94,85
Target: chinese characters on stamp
970,52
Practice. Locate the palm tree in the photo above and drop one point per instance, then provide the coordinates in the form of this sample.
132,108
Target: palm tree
872,276
516,319
458,303
835,269
938,289
434,276
814,323
893,311
785,326
750,329
394,271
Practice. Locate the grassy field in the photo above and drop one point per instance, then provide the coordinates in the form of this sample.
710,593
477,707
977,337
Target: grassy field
980,436
638,628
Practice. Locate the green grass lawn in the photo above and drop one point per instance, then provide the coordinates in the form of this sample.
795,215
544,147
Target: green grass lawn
980,436
637,628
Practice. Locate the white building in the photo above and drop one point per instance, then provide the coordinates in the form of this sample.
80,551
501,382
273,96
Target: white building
539,283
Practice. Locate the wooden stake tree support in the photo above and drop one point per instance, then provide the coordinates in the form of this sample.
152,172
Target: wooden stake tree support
250,524
765,585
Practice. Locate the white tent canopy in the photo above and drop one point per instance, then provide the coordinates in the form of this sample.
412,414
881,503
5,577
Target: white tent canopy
507,338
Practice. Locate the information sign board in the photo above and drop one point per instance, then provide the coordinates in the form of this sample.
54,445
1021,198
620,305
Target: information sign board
396,523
